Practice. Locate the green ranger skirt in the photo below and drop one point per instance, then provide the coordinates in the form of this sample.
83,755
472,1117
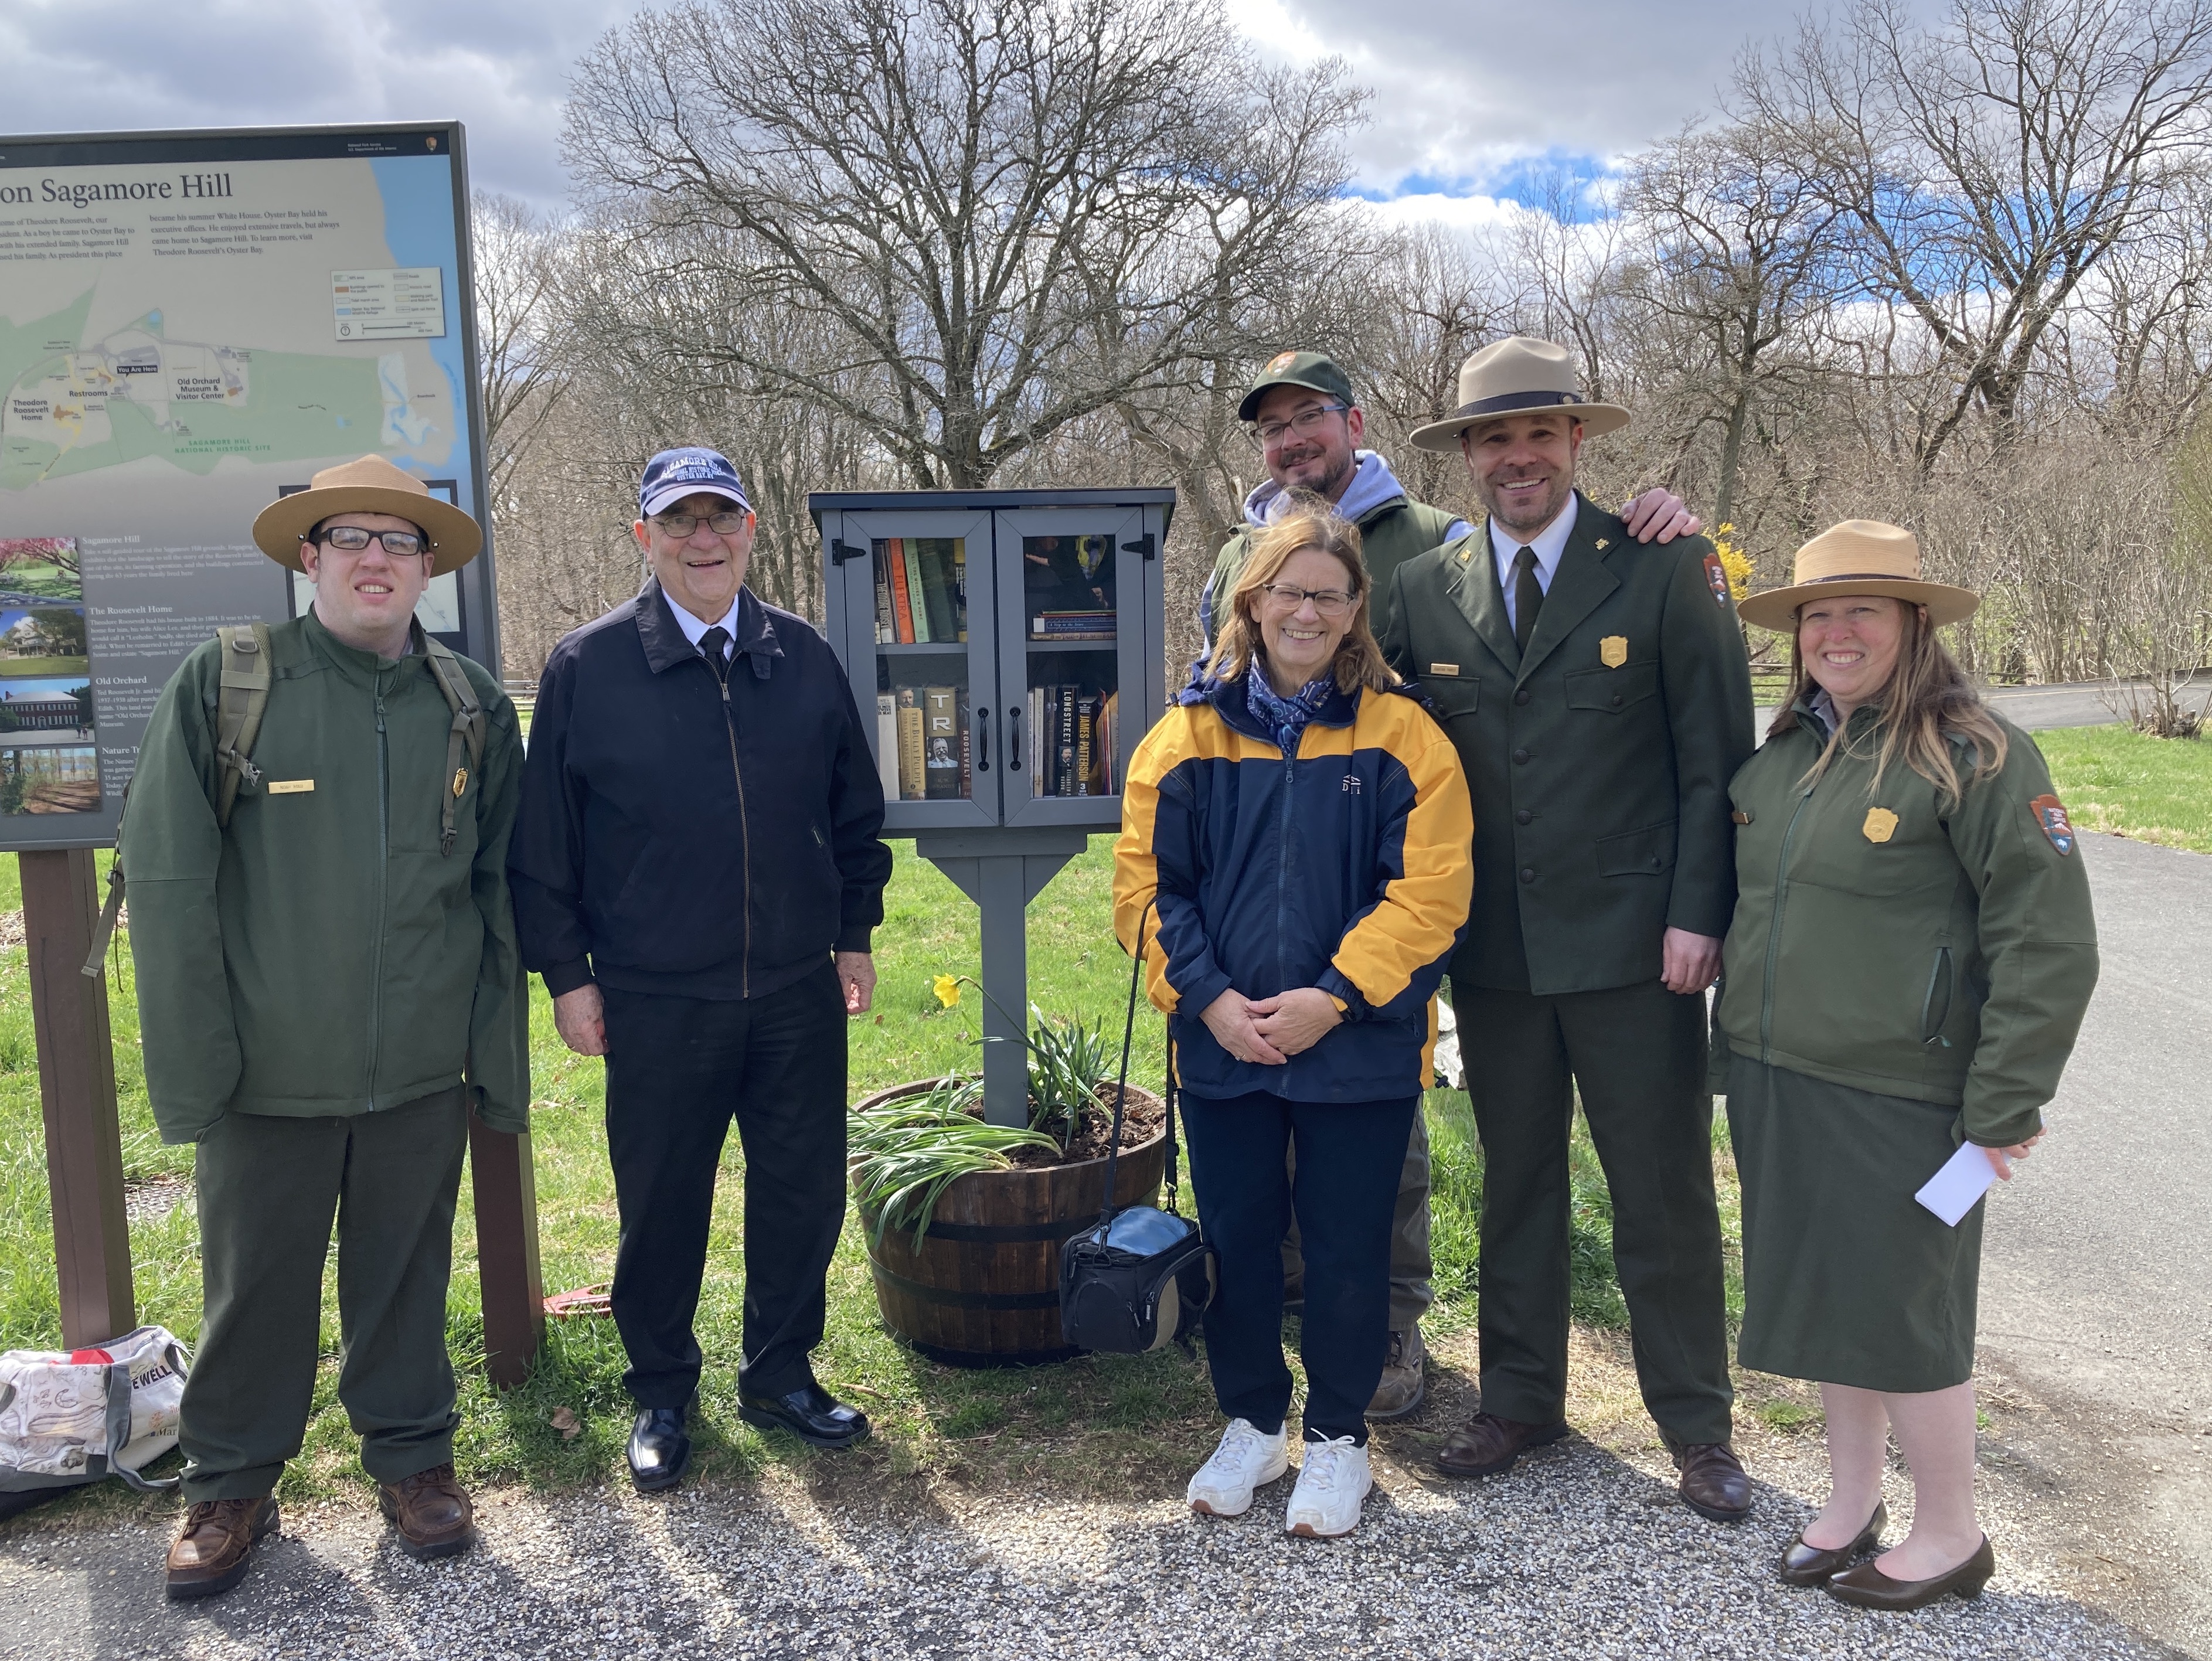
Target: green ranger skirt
1847,1279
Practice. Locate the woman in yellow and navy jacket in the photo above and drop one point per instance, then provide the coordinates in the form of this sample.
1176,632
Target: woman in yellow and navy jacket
1295,853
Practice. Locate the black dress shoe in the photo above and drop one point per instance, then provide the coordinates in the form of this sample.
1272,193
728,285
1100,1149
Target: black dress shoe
812,1414
659,1450
1870,1587
1811,1565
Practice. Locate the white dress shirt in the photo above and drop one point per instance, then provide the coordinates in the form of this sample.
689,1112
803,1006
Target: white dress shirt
1548,546
694,631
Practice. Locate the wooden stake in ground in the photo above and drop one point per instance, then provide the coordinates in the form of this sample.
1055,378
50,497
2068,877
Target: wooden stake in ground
76,1088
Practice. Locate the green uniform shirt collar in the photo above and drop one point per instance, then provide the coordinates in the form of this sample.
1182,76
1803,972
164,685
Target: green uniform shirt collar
351,661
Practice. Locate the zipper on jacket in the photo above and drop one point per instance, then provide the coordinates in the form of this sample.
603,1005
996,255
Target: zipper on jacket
1939,978
1774,930
1283,852
721,673
383,876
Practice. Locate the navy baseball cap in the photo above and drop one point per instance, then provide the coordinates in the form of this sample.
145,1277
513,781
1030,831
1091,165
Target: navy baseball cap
674,474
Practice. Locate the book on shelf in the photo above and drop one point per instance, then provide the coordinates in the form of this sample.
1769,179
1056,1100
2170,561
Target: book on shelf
887,751
940,737
1105,747
960,583
917,602
886,616
901,607
934,555
1036,741
1072,625
1086,716
1063,774
967,760
914,782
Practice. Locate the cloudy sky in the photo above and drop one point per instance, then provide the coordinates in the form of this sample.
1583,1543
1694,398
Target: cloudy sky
1473,97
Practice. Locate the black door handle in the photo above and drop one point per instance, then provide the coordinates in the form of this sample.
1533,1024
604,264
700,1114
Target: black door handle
983,742
1014,739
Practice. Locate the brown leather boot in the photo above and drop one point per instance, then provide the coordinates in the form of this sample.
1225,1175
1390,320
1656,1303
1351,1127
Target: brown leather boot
213,1550
431,1511
1713,1480
1403,1386
1487,1444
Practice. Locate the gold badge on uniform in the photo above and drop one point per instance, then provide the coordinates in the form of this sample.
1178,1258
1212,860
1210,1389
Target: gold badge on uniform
289,787
1604,543
1613,651
1881,824
460,781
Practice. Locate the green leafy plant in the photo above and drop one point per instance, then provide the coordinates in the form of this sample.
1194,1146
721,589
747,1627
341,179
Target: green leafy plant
1068,1062
907,1151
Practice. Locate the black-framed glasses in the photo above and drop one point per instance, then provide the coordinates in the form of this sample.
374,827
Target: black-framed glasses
1306,423
1329,602
680,525
352,538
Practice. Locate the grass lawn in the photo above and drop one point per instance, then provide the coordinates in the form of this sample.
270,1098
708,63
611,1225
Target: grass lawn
12,666
1095,1425
2115,779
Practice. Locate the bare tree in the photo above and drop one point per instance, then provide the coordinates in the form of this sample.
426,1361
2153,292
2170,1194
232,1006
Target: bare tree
515,250
1013,213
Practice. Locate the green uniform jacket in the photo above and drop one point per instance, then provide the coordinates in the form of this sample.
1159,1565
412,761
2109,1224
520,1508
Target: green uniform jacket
1945,958
322,958
1599,765
1390,533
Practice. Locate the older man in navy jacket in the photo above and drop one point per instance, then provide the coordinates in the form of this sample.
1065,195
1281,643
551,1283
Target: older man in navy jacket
697,871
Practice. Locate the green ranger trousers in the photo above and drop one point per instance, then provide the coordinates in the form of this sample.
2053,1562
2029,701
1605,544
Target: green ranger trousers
269,1188
1411,1294
1638,1053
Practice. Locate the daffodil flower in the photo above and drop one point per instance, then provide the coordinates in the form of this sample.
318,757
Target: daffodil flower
947,988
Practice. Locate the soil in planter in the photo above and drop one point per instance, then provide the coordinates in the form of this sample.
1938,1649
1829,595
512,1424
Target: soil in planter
1139,1124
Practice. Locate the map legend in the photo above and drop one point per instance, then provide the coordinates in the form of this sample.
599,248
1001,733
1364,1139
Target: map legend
407,302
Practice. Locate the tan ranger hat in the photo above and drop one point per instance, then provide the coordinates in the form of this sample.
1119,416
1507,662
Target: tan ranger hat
1859,556
1517,376
370,485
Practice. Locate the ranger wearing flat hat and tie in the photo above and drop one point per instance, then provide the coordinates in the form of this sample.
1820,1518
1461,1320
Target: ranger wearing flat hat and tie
1598,693
1309,426
328,985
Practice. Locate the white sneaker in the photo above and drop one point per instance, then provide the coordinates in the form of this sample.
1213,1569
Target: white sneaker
1332,1482
1244,1461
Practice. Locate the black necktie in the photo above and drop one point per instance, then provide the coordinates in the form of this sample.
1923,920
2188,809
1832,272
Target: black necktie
1527,597
714,643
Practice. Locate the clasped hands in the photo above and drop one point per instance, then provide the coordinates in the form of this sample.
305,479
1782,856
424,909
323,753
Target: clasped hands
1270,1031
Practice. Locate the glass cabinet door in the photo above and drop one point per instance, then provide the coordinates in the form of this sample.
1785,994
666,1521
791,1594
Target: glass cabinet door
918,606
1072,651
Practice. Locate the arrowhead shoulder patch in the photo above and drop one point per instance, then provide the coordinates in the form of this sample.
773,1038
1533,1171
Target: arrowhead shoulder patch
1716,579
2050,819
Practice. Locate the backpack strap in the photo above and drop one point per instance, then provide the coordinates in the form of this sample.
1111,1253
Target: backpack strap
111,911
240,700
468,728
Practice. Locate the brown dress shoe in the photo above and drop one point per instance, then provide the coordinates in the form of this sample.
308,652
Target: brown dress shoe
1713,1483
431,1511
1402,1386
1487,1444
213,1550
1811,1565
1870,1588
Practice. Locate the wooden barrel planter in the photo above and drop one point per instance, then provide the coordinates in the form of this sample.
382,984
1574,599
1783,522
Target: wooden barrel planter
983,1290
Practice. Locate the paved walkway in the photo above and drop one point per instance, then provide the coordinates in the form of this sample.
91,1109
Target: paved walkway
2081,704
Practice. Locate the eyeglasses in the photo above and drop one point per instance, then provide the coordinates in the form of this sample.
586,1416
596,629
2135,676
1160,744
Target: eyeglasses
1329,602
680,525
1306,423
353,538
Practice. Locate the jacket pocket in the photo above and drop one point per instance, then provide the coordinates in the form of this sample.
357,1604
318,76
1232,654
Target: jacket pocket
1452,695
1935,1005
1645,853
1611,691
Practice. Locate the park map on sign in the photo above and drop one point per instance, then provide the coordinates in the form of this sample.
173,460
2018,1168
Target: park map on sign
74,405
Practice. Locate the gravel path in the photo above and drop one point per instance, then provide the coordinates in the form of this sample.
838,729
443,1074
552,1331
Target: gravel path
1582,1551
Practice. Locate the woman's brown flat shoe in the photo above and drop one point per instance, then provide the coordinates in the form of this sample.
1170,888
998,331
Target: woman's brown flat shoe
1811,1565
1869,1588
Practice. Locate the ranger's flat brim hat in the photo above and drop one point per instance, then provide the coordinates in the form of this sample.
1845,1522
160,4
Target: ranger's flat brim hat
370,485
1859,556
1517,376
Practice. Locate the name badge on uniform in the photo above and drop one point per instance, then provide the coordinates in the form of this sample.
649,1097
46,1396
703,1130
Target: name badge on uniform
1443,668
1881,824
289,787
1613,651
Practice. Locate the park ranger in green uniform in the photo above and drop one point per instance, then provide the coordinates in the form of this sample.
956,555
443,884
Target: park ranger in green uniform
1598,693
1308,427
328,982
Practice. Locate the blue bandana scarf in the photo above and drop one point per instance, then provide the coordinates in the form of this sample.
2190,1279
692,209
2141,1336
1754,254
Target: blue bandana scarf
1286,718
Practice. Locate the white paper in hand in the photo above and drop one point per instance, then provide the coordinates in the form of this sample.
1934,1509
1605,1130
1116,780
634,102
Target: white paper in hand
1964,1177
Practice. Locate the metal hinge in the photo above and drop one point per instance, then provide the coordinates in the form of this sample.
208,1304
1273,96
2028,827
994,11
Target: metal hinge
1145,545
840,552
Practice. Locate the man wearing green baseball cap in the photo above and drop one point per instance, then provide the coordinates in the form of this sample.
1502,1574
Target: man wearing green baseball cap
1302,414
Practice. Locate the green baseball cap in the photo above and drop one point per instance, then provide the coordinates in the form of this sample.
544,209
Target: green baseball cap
1312,370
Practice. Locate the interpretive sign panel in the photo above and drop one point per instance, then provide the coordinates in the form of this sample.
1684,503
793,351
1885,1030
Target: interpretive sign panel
191,324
